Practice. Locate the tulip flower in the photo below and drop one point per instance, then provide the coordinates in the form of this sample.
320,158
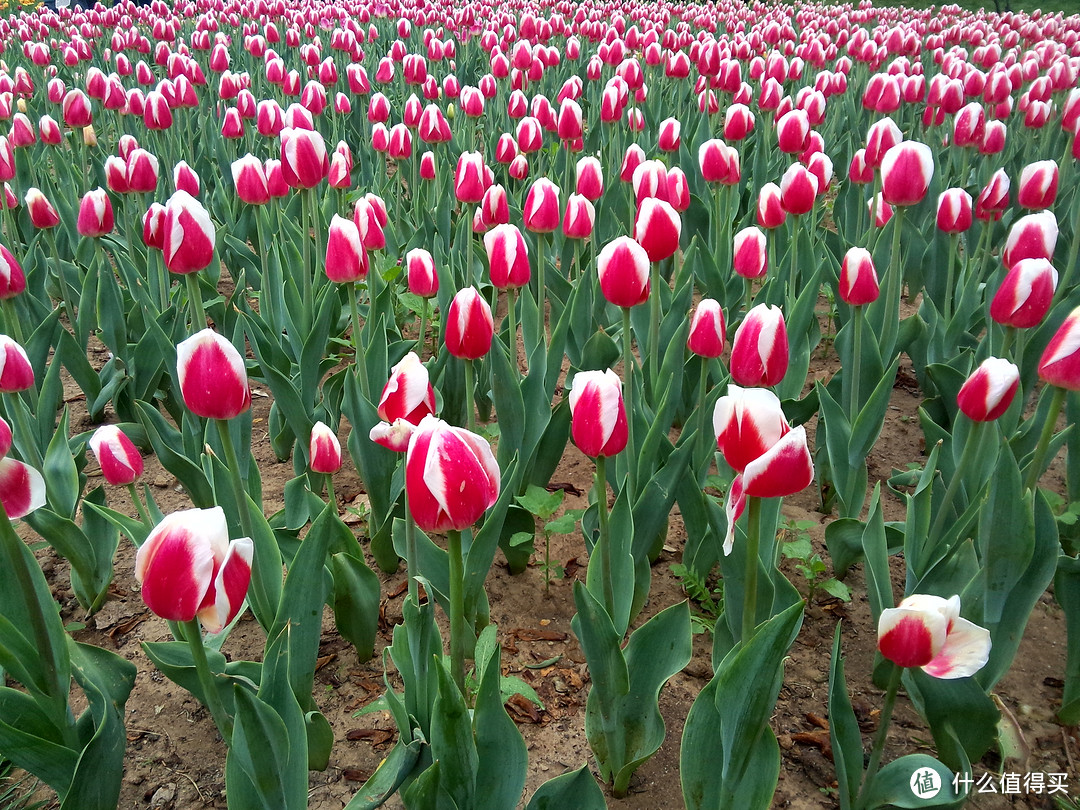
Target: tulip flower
750,255
650,180
579,218
541,212
770,209
153,222
669,137
518,168
12,278
954,211
22,488
623,268
408,393
708,334
422,277
508,257
370,224
469,182
185,179
906,171
249,180
590,178
1038,185
1060,367
346,258
989,390
495,208
928,632
1025,294
657,228
633,158
394,436
121,463
469,326
858,279
1033,236
882,136
798,190
324,450
141,170
994,197
213,378
597,413
189,568
570,125
792,132
759,350
304,160
188,244
116,174
41,211
95,214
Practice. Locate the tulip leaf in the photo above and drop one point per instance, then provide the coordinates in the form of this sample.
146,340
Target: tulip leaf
612,559
388,777
1067,593
356,602
506,391
260,748
71,543
452,744
868,424
163,438
844,731
892,786
941,702
415,643
574,790
173,659
502,758
264,593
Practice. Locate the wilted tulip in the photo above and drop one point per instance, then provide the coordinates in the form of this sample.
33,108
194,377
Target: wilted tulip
121,463
928,632
213,378
597,413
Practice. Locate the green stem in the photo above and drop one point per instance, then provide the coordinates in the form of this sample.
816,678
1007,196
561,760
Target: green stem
421,339
654,329
882,733
540,287
1065,286
793,272
410,553
950,276
358,356
211,696
267,296
854,400
135,499
971,448
65,290
703,382
604,542
470,395
753,541
628,397
12,319
895,288
308,269
457,609
330,497
22,425
234,475
1035,470
195,303
716,231
1007,341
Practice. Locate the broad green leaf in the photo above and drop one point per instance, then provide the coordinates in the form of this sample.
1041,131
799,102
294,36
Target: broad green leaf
844,731
575,790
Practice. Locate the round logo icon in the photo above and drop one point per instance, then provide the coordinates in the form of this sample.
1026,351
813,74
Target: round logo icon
925,783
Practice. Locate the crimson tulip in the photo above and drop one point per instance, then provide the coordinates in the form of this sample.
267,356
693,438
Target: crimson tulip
212,375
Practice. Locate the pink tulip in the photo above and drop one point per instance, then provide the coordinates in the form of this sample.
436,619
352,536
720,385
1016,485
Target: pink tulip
750,255
570,125
423,280
994,197
324,450
708,333
759,350
798,190
738,122
249,179
304,160
451,476
989,391
669,136
623,268
906,171
1033,236
142,171
928,632
190,569
427,166
882,136
5,437
213,378
718,162
369,224
188,244
792,132
185,179
1038,185
41,211
116,174
590,178
469,181
269,118
519,168
859,171
469,326
579,217
858,278
969,125
1025,295
770,208
408,394
22,488
993,141
657,228
12,278
346,257
95,214
76,109
597,413
1060,362
633,158
121,463
506,149
541,212
393,435
954,210
153,223
508,257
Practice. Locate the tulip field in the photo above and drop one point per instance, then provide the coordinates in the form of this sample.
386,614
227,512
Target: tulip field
481,405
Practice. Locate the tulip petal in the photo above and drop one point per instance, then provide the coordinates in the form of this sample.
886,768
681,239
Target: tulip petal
910,637
230,586
393,435
784,469
733,507
22,489
175,567
966,651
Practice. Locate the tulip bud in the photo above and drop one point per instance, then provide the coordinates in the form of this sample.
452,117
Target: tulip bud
597,413
469,326
42,213
22,488
770,208
579,218
422,278
954,210
116,174
670,139
906,171
153,223
141,171
304,159
1038,185
623,268
570,120
759,350
718,162
1060,362
95,214
989,391
15,371
49,130
213,378
541,211
249,179
750,255
121,463
189,568
494,207
858,278
590,178
275,179
1031,237
469,182
994,197
324,450
189,234
408,394
708,333
792,132
369,224
519,168
76,109
928,632
1025,295
798,190
185,179
451,476
12,278
657,228
508,257
427,166
633,158
346,258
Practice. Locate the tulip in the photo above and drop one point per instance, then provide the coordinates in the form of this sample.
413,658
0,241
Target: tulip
747,422
249,180
116,174
154,226
1038,185
213,378
469,182
393,436
189,569
422,277
188,244
669,138
906,171
494,207
1033,236
469,326
598,421
590,178
95,214
427,166
969,125
793,131
678,190
858,279
989,391
12,278
994,197
570,120
141,171
750,256
623,269
770,209
1025,295
718,162
408,394
954,211
859,172
657,228
1060,362
708,334
41,211
304,160
633,158
759,350
928,632
519,168
22,488
541,212
324,450
121,463
798,190
370,224
579,217
76,109
346,258
185,179
738,122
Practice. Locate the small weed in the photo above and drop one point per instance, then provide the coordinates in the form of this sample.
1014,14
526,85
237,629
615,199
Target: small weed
795,545
711,600
544,504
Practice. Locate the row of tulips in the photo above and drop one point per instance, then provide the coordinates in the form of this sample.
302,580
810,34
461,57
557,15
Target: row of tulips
364,264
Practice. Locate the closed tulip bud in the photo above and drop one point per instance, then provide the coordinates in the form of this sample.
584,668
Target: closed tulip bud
570,120
954,210
121,463
597,413
750,256
770,207
738,122
1038,185
367,217
623,268
508,257
427,166
275,179
506,149
95,214
759,350
15,371
346,258
858,278
41,211
792,132
579,218
12,278
324,450
304,160
190,569
269,118
76,109
141,171
928,632
249,179
993,141
529,135
969,125
541,211
657,228
116,174
157,113
590,178
989,391
798,189
22,488
423,279
678,189
469,326
633,158
1025,295
189,234
22,131
708,333
994,197
906,172
670,135
408,394
338,176
1060,362
49,130
1031,237
469,182
859,172
494,207
213,378
185,179
519,168
718,162
153,223
451,476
